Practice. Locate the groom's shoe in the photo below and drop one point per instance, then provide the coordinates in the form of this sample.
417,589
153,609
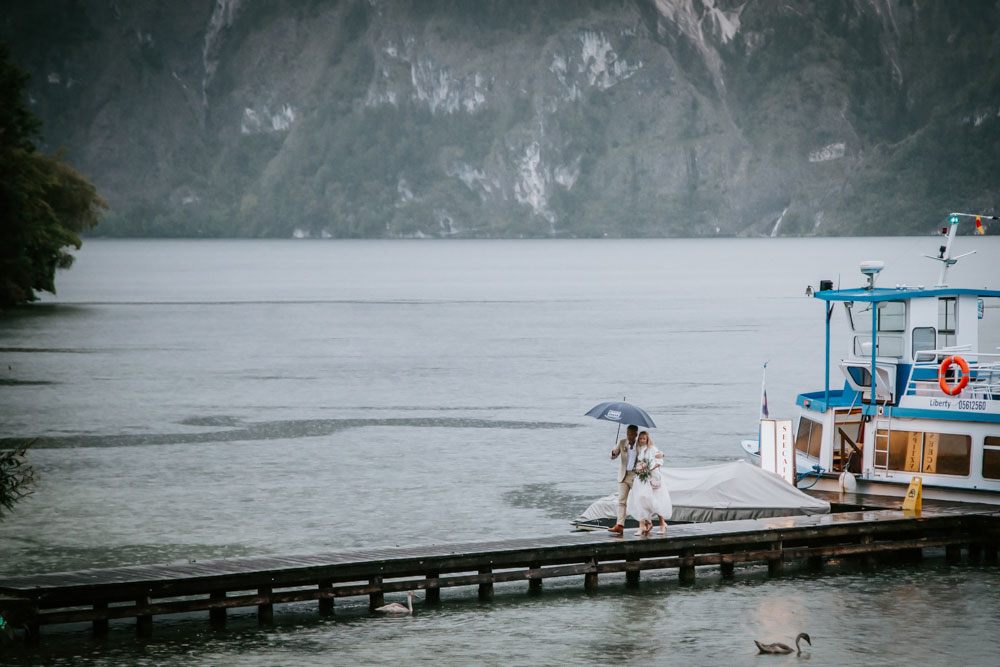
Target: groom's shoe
618,529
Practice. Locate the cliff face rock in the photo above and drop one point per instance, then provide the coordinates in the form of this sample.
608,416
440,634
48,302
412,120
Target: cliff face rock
513,118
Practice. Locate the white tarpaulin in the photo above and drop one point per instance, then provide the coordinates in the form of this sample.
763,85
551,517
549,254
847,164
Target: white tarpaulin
723,492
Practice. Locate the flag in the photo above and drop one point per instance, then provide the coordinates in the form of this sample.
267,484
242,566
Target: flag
979,225
763,394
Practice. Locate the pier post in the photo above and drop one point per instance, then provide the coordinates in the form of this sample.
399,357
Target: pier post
867,558
727,567
143,622
815,563
631,575
686,573
953,554
376,598
217,615
975,553
590,578
100,625
775,565
535,583
990,555
433,590
265,611
486,588
326,598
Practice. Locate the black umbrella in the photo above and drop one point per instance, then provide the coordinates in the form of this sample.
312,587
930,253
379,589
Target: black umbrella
621,413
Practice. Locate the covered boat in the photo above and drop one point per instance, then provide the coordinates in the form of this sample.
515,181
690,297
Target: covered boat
727,491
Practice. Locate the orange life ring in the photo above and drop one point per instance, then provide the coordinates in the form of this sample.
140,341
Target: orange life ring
953,390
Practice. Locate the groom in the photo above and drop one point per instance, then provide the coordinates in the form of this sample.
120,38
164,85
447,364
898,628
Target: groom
627,450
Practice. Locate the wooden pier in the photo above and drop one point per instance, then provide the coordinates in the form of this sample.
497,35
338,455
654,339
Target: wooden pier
879,530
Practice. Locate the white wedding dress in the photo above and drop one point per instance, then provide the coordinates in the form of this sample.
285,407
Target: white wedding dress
645,502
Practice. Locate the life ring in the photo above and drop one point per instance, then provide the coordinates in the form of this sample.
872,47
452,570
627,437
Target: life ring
953,390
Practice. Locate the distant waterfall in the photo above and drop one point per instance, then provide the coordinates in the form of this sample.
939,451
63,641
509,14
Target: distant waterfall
777,223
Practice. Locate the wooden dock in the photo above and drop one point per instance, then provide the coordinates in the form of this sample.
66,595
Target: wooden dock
879,530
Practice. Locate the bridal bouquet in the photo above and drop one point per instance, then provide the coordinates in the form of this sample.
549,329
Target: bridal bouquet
643,470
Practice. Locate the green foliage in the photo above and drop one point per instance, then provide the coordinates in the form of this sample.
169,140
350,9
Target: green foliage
16,477
44,202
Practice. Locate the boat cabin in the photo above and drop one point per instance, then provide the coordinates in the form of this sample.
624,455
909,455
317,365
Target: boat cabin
934,407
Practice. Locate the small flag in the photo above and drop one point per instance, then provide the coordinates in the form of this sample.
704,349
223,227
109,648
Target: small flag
763,394
979,225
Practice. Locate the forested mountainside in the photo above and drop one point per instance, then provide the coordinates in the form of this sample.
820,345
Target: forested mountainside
511,118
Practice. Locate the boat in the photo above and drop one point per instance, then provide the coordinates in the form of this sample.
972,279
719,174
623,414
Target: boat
722,492
921,393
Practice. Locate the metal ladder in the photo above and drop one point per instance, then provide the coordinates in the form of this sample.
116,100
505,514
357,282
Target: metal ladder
883,428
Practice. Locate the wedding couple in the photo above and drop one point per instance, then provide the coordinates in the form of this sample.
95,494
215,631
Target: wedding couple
641,493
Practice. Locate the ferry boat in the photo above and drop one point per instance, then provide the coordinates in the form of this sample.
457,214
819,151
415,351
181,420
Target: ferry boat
921,396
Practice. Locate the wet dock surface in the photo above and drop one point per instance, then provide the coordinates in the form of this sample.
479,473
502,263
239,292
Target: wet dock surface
880,530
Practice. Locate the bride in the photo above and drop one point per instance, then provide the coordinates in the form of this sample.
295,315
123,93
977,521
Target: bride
648,495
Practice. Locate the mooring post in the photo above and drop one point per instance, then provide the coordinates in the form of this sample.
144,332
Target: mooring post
535,582
953,554
775,565
686,572
486,588
325,598
867,557
265,610
975,553
727,567
990,553
815,563
376,598
100,625
590,578
217,615
143,622
631,572
433,589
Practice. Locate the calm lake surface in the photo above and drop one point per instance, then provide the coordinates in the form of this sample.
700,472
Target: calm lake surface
204,399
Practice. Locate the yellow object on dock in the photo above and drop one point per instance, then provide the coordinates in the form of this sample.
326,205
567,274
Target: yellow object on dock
913,495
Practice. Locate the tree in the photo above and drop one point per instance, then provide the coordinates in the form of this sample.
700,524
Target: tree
44,203
16,477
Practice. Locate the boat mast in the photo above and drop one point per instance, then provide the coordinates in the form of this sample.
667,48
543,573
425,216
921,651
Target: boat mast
944,255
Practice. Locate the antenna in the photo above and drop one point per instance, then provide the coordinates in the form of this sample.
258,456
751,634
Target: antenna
944,252
871,268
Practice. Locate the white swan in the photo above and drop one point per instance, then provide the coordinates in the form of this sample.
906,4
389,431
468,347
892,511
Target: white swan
778,647
396,608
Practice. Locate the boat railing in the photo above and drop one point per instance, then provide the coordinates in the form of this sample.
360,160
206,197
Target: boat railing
984,373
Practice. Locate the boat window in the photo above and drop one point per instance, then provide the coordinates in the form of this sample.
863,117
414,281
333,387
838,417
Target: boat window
989,325
889,345
947,320
924,338
905,450
930,453
809,437
892,316
815,439
991,457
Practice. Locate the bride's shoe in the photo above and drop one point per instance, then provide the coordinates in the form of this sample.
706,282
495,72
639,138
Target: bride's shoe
640,533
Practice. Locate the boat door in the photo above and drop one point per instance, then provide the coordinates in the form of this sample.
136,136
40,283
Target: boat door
848,441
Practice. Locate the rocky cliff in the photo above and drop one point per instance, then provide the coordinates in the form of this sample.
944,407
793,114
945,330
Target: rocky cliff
507,118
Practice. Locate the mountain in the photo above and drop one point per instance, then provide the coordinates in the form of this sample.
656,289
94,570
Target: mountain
511,118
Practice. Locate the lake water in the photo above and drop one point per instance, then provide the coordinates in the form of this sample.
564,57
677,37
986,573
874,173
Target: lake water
203,399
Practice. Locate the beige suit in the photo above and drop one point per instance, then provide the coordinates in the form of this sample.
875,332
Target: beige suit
625,477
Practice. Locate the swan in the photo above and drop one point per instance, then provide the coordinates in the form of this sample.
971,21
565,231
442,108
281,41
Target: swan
396,608
778,647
